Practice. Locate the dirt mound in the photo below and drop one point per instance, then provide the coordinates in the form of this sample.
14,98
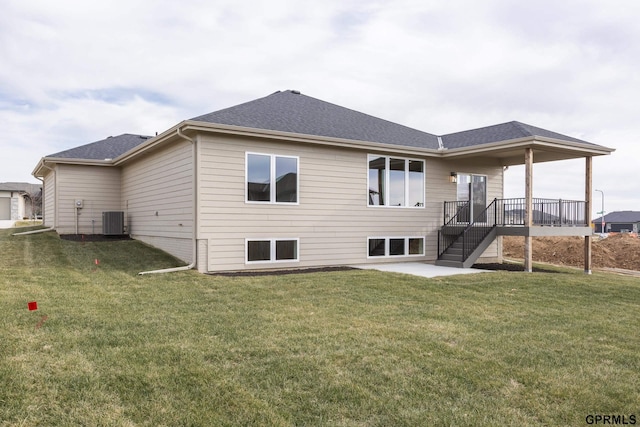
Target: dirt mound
615,251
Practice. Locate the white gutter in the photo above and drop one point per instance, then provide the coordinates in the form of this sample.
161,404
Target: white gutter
195,213
41,198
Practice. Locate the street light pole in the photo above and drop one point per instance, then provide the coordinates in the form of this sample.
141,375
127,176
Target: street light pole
602,213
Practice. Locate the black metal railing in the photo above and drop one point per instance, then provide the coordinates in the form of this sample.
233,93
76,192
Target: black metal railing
547,212
472,233
503,212
481,226
455,214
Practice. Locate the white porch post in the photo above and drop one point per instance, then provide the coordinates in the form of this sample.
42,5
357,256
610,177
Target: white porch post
587,211
528,209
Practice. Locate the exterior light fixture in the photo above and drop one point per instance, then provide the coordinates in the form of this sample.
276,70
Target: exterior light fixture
453,177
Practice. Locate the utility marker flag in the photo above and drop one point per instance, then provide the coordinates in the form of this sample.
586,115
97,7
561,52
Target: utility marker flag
33,305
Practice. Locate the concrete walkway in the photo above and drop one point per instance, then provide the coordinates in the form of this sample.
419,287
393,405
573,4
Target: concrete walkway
419,269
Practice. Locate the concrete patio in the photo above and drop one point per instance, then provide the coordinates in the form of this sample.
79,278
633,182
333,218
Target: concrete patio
419,269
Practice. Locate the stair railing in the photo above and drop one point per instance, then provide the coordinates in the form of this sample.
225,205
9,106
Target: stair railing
458,212
479,229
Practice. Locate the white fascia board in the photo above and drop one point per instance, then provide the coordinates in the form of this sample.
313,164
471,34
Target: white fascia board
550,144
50,161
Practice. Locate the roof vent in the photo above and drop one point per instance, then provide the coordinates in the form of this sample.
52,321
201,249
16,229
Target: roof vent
296,92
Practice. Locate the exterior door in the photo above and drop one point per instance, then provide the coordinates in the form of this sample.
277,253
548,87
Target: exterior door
472,189
5,208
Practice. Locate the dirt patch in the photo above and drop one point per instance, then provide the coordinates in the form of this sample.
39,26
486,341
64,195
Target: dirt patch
507,266
616,251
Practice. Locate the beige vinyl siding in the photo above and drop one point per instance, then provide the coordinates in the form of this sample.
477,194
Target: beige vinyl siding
157,197
97,187
333,219
49,199
202,255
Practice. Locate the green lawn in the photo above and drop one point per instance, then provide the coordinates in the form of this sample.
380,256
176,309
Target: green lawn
354,348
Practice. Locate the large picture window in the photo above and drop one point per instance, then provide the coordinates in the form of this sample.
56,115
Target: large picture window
271,250
395,182
271,178
395,246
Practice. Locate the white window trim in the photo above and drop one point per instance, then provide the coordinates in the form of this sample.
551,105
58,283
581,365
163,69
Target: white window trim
272,251
406,181
272,179
386,247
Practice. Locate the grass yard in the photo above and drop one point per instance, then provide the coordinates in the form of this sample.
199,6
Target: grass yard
353,348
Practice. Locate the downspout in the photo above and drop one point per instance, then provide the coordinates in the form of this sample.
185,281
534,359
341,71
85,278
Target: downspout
41,200
42,230
55,188
195,213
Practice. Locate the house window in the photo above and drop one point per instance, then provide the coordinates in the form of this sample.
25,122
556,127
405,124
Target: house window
271,178
377,247
271,250
395,246
395,181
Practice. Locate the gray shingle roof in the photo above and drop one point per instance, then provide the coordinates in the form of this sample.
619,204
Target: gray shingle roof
108,148
626,217
290,111
501,132
20,186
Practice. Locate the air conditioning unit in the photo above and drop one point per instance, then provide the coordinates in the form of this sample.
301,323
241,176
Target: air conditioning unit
113,223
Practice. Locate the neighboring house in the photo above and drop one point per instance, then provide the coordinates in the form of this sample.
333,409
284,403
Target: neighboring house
18,200
618,222
516,216
291,181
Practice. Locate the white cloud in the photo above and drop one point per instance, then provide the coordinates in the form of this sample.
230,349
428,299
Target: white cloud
74,72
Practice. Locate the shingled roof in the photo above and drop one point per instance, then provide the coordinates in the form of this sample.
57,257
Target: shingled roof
501,132
108,148
625,217
23,187
291,111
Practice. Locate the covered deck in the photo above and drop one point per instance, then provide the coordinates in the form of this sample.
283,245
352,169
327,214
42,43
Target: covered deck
464,236
461,241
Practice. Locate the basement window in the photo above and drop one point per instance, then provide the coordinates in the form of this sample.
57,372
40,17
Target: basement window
395,246
272,250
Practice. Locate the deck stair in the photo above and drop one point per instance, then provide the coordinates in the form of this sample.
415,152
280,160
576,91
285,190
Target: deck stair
460,244
454,255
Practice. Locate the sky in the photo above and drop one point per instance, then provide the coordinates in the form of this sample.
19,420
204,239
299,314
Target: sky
75,72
